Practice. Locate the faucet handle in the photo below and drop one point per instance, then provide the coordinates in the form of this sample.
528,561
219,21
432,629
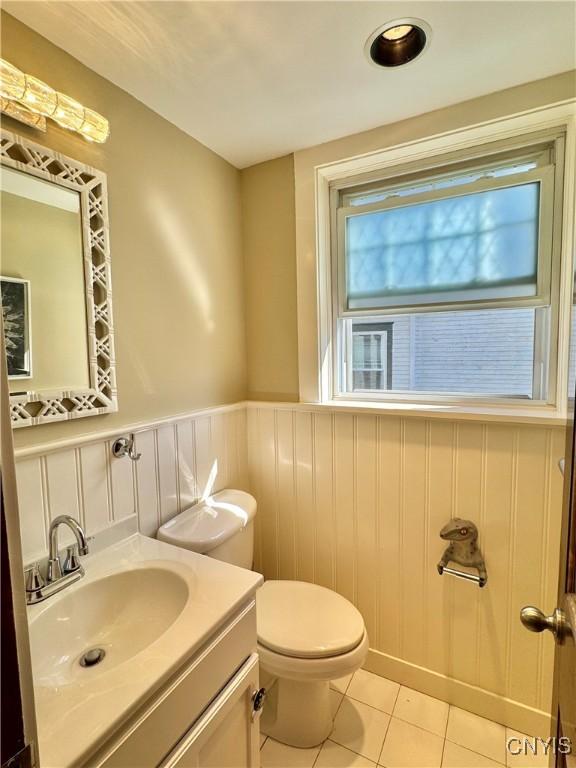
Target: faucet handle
71,563
34,579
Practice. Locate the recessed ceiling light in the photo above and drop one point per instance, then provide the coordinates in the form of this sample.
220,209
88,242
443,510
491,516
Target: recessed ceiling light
397,32
398,42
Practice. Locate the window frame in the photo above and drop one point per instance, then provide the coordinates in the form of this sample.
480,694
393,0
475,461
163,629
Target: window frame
317,372
549,175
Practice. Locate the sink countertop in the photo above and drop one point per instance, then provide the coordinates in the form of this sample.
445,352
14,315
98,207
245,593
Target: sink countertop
74,719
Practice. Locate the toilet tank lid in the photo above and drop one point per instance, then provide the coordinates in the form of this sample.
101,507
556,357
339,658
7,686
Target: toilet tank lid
209,523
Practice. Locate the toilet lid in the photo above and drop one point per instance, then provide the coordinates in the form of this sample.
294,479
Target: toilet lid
305,620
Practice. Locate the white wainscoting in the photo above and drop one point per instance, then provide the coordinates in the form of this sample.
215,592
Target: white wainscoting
181,460
355,503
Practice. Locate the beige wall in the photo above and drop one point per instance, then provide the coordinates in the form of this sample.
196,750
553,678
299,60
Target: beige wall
268,242
177,269
268,187
355,503
43,244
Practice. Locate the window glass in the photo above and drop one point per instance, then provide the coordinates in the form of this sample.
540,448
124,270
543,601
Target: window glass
470,243
485,352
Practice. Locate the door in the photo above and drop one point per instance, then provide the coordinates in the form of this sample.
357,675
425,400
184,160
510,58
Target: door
562,622
228,733
564,700
18,726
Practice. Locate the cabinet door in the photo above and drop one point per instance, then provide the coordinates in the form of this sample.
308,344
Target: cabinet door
228,733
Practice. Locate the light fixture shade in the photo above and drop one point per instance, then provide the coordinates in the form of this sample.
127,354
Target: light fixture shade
39,97
69,113
29,96
95,127
12,81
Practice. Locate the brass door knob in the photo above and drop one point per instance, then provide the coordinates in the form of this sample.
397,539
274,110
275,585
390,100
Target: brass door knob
537,621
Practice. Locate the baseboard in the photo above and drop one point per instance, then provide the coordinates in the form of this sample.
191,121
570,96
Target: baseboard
511,713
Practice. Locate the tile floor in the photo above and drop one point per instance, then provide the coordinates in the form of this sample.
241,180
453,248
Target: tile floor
380,723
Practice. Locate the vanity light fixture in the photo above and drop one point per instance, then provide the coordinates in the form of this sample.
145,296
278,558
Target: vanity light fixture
398,42
25,96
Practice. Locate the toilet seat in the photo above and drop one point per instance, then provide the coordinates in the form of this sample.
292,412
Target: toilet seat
305,621
313,670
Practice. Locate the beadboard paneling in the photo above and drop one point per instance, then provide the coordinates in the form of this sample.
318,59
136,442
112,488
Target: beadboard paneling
355,503
180,462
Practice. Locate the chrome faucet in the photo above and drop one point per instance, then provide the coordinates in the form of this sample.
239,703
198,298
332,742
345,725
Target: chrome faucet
54,566
58,576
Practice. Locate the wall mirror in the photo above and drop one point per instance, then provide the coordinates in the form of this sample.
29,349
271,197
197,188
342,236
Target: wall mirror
55,285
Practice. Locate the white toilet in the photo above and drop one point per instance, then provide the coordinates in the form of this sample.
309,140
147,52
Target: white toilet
307,634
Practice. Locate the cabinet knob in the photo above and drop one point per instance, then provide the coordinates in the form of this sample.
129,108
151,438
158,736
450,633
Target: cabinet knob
258,699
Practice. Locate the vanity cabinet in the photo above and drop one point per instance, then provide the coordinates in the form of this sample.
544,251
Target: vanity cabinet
228,734
203,717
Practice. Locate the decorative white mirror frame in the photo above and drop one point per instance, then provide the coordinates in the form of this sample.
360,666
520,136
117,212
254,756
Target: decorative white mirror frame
42,407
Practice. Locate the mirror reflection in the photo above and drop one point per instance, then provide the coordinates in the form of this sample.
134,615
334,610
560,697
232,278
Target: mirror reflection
43,285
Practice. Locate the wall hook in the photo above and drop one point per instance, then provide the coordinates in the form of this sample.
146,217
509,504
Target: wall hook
125,446
463,549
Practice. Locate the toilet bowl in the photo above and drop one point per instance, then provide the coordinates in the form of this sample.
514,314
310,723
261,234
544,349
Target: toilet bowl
307,635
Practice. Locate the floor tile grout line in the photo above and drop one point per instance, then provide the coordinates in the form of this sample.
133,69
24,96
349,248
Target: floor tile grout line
389,721
447,721
473,751
392,715
382,711
320,750
504,765
378,763
350,750
384,741
443,747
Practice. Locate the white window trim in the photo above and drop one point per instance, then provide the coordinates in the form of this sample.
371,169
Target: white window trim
316,370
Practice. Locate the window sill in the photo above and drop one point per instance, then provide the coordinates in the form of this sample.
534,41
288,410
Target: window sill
505,415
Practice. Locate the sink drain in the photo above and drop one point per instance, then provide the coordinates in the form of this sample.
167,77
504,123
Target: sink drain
92,657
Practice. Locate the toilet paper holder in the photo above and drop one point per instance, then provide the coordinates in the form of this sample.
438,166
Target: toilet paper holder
463,550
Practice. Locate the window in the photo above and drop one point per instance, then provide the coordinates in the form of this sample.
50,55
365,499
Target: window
447,280
371,356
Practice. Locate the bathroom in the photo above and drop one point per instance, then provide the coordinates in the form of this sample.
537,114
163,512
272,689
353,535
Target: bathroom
288,383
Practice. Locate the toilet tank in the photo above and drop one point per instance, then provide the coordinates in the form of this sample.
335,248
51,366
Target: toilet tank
221,526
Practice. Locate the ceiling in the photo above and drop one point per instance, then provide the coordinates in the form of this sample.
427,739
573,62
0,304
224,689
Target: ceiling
257,80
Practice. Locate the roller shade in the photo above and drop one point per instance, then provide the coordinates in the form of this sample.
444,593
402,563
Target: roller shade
469,247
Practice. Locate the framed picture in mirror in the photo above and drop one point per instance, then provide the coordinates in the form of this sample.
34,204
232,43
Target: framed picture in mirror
15,294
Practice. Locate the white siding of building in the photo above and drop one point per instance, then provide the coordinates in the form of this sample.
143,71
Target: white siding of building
482,352
401,353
